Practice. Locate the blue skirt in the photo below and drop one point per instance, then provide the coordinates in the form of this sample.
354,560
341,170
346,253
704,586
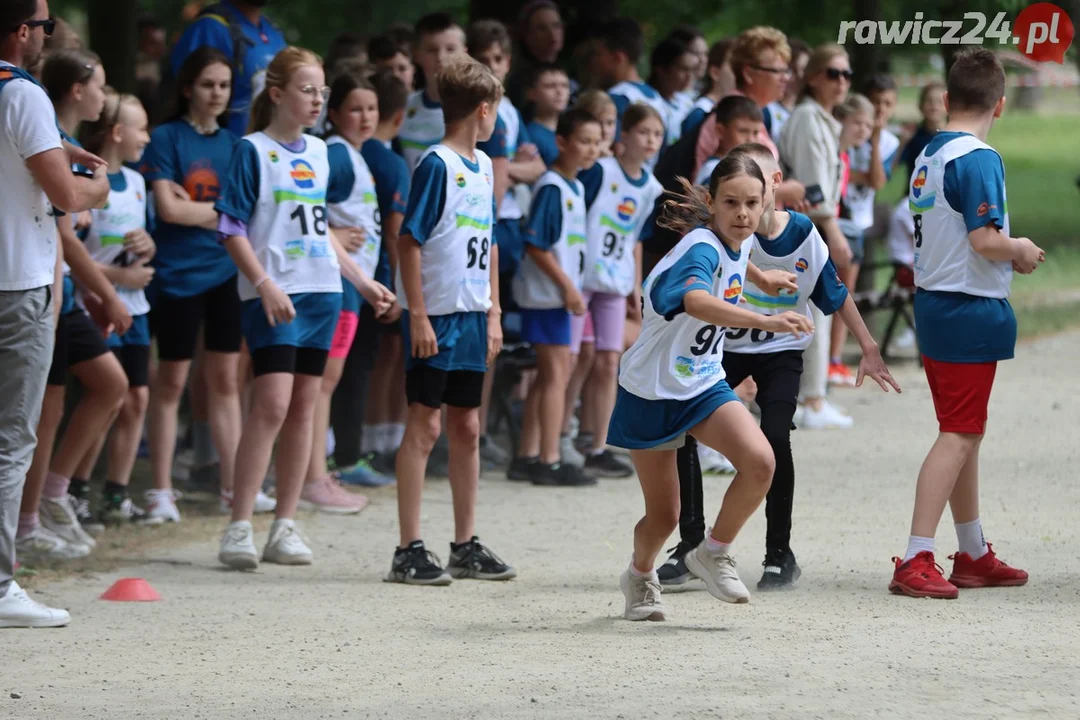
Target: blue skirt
640,424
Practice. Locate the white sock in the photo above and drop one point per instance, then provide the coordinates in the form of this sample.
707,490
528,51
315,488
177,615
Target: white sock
368,440
385,433
970,537
637,573
396,435
716,547
331,442
916,545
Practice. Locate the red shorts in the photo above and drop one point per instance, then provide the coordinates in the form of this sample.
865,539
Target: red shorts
961,393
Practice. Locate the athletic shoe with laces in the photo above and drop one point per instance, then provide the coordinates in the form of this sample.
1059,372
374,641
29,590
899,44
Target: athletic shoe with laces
717,570
568,453
263,503
987,571
161,507
238,546
363,474
827,417
781,571
840,375
521,468
414,564
92,525
492,454
42,545
58,515
473,560
674,575
921,577
642,597
328,496
384,463
120,511
286,546
17,610
559,475
605,464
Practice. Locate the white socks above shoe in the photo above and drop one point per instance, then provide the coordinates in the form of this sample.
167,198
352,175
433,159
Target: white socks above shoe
917,545
970,538
716,547
382,438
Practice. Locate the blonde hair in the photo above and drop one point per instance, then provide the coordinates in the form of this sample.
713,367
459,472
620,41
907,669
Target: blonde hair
278,74
853,105
638,113
93,135
818,62
595,102
749,45
463,85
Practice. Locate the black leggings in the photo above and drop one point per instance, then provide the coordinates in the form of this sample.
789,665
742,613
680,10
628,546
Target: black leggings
777,376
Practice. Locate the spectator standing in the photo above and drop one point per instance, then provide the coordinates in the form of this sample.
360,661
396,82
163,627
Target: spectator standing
149,59
541,36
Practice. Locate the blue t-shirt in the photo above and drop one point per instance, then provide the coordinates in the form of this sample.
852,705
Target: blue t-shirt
544,140
498,145
915,146
391,190
189,260
544,227
263,43
694,118
956,327
695,270
829,293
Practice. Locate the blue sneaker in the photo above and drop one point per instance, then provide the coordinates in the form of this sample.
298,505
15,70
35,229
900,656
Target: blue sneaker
364,475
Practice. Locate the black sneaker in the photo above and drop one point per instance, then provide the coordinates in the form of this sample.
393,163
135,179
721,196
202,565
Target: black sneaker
89,523
205,480
120,511
520,468
674,575
781,571
473,560
608,465
559,475
416,565
384,463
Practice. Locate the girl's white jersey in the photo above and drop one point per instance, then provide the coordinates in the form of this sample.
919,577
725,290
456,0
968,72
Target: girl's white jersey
509,209
682,357
615,220
455,260
289,228
423,127
679,107
360,209
532,288
635,93
944,258
860,198
806,262
124,212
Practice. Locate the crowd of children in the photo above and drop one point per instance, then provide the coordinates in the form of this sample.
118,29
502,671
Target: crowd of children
339,297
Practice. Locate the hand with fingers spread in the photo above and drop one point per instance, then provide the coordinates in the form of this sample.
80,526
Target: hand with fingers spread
789,322
873,366
276,303
424,342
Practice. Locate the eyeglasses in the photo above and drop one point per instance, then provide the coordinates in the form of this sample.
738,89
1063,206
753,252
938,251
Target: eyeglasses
316,92
47,25
775,71
836,74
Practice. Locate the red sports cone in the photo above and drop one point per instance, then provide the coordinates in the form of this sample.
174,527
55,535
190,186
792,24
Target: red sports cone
131,590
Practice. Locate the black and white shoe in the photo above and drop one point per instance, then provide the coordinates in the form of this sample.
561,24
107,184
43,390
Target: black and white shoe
473,560
674,575
120,511
416,565
90,524
520,468
559,475
606,465
781,571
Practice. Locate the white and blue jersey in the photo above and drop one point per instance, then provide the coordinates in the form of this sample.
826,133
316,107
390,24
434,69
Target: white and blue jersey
392,191
702,107
544,139
423,127
451,215
962,311
509,134
189,261
359,209
775,115
678,109
859,199
627,93
672,378
557,224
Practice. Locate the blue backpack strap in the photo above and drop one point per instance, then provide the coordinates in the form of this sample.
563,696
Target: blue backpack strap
10,72
222,13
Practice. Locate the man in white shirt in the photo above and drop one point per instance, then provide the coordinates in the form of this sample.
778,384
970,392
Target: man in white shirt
38,182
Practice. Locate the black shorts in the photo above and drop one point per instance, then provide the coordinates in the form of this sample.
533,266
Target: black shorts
77,340
434,388
288,359
135,359
175,322
777,374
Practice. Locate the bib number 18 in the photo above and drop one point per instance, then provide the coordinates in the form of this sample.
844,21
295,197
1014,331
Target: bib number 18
318,218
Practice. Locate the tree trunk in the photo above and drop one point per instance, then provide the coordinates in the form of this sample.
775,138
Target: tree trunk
113,26
865,58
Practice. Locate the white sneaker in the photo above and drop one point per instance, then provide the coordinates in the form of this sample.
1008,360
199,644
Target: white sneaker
285,546
829,416
263,503
17,610
58,515
905,340
161,507
713,462
238,546
717,570
42,544
642,597
568,453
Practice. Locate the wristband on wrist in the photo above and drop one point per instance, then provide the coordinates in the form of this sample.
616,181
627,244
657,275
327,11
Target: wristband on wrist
261,281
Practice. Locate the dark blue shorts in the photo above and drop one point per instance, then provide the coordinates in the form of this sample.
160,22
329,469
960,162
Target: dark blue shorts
313,327
137,334
640,424
545,327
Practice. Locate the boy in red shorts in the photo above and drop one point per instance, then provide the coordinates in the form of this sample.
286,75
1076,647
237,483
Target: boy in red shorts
964,259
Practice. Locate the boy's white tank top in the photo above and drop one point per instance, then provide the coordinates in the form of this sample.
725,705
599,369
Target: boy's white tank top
360,209
532,288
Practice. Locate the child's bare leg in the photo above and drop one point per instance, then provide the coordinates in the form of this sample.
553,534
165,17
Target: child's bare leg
422,430
581,365
294,444
964,500
271,395
839,333
938,478
463,432
659,480
529,441
166,389
126,434
105,387
316,468
52,413
554,365
89,461
223,410
604,388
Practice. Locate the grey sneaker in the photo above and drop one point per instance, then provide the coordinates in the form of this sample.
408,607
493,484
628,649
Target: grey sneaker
43,545
491,454
569,453
717,570
58,515
642,597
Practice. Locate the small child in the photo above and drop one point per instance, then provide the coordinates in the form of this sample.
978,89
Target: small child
672,381
901,243
738,121
549,95
672,66
602,107
548,290
719,82
438,40
448,285
386,53
932,109
964,260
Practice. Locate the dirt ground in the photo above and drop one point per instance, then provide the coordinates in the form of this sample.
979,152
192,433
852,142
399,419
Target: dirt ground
333,640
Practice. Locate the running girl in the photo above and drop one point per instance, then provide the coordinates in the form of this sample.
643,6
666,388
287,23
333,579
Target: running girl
672,380
274,223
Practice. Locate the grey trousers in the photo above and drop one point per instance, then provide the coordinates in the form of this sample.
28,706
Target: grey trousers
26,346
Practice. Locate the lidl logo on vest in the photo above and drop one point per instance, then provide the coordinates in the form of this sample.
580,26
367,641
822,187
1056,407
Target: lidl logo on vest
303,174
626,209
459,180
919,182
733,290
274,157
801,265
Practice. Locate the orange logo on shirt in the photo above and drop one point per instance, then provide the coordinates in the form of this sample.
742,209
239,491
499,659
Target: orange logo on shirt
202,184
733,290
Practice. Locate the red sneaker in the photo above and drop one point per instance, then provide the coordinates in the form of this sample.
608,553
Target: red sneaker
921,577
987,571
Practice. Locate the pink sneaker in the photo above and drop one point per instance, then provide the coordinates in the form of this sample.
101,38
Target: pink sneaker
328,496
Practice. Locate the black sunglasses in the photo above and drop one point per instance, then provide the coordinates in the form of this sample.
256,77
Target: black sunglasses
47,25
836,74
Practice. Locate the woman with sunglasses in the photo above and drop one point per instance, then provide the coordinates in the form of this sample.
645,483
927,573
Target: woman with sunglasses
810,148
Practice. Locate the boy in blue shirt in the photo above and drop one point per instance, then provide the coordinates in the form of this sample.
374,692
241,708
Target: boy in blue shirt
964,260
549,94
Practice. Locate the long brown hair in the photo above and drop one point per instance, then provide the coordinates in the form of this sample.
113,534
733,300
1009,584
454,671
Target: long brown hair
818,62
278,74
693,206
64,69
